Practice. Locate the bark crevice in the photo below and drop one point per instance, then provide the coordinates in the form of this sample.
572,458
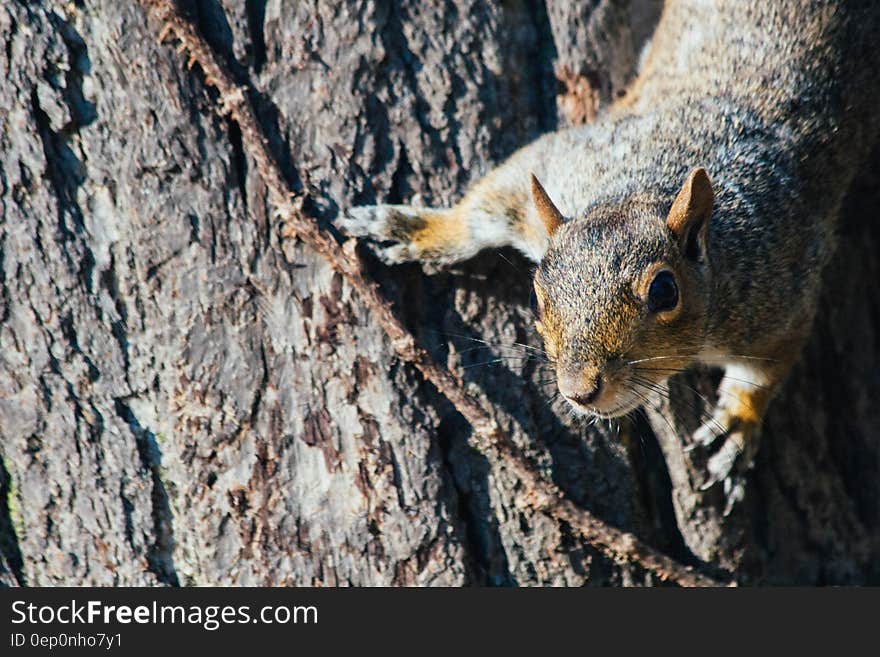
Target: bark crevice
160,556
10,550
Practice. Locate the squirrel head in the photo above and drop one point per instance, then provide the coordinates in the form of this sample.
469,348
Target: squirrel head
621,294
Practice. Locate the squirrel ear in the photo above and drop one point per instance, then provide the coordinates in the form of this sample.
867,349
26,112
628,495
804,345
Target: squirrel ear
550,215
688,217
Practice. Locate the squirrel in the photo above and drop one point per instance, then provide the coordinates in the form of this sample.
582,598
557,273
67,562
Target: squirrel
690,222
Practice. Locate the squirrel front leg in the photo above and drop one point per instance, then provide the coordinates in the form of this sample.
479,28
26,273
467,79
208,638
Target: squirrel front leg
744,394
496,212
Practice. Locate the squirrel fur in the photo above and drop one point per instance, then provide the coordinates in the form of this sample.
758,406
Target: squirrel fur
725,165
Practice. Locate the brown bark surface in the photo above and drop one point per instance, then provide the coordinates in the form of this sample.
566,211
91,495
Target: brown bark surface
186,400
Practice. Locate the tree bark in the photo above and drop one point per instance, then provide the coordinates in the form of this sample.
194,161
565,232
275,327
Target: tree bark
186,398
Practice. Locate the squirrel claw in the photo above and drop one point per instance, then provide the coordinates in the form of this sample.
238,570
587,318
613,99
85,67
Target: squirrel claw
729,464
395,254
705,436
734,492
708,483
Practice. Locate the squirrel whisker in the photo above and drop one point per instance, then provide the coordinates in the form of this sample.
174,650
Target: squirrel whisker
499,345
727,376
691,355
703,414
537,357
495,361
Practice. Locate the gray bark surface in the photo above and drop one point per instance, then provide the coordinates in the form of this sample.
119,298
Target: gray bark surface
184,401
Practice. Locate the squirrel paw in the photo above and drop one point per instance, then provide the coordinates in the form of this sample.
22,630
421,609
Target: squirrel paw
707,434
731,462
382,224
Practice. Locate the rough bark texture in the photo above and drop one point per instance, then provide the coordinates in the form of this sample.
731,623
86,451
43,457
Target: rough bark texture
182,401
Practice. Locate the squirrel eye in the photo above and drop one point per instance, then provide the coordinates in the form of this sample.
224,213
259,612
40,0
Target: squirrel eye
663,293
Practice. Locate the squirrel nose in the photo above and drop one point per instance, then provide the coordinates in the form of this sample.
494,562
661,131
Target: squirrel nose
580,389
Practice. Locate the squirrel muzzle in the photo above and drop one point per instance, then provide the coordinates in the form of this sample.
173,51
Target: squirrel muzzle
589,389
580,387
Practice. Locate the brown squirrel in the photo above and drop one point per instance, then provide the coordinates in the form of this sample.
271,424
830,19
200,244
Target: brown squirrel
645,265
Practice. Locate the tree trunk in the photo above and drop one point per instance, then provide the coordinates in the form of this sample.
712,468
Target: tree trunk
187,399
